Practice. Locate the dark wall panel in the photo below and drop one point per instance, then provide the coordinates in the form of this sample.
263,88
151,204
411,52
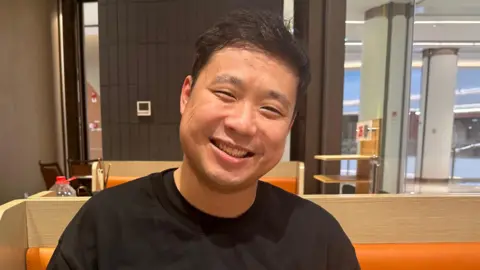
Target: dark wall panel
146,50
320,26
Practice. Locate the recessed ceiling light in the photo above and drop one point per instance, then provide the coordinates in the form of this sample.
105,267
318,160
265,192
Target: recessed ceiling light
419,10
350,43
447,22
425,22
425,43
354,22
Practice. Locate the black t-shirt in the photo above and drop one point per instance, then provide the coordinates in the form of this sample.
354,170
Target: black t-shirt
147,224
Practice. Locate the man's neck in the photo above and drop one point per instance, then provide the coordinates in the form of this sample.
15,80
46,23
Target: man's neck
212,202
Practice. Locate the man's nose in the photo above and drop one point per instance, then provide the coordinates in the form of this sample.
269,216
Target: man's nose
242,120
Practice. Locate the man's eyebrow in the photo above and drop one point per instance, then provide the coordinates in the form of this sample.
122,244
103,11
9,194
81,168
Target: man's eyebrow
225,78
279,96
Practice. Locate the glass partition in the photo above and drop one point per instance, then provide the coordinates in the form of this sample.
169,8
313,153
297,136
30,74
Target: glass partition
415,67
378,49
444,134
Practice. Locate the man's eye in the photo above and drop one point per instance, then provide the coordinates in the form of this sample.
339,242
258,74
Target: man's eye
272,110
225,95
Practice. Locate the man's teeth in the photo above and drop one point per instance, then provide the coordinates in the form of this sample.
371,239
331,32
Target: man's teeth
232,151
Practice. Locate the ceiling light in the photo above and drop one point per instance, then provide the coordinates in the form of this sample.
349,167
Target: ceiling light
445,44
424,43
425,22
447,22
352,43
419,10
354,22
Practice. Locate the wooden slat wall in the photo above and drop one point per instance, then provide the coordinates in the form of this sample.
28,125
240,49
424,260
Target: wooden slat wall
146,50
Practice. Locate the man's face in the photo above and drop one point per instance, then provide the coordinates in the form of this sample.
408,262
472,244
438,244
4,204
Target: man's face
237,117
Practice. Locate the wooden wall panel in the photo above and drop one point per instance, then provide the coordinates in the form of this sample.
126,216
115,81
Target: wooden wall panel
146,50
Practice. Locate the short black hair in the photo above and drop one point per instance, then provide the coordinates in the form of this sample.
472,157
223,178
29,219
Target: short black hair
258,28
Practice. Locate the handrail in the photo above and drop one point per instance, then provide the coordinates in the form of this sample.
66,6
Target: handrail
456,150
466,147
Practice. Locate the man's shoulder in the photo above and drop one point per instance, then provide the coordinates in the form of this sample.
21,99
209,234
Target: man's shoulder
301,205
313,225
305,213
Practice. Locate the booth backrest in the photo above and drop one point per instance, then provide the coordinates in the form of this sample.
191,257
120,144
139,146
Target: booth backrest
138,168
127,169
388,231
13,235
38,258
417,256
286,175
289,184
386,218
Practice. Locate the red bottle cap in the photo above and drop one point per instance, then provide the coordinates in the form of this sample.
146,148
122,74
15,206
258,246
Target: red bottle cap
61,180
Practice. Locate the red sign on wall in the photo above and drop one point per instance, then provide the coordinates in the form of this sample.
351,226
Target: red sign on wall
364,131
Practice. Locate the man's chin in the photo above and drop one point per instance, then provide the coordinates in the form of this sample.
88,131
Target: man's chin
229,183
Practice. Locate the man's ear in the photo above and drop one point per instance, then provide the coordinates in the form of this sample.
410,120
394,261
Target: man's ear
187,88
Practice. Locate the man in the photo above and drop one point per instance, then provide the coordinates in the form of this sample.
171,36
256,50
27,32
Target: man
237,108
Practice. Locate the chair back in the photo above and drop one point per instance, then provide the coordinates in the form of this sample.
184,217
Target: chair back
50,171
80,167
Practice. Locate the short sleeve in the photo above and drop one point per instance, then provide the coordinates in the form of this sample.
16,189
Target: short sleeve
341,252
77,246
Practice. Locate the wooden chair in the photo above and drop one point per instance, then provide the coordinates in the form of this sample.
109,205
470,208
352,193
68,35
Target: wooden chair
50,171
80,167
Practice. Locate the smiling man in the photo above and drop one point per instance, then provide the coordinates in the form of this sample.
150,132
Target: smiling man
212,212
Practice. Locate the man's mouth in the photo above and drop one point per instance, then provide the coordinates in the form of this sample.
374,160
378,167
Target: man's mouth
232,150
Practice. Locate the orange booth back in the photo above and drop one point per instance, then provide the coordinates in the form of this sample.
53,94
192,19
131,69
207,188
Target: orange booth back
424,256
287,183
